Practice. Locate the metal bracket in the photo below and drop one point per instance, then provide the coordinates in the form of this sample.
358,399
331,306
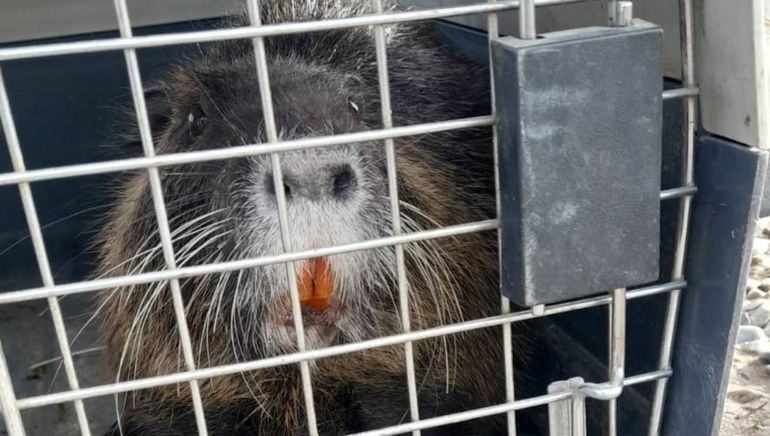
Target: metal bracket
567,417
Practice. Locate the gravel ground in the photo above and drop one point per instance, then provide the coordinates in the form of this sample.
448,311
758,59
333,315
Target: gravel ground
747,409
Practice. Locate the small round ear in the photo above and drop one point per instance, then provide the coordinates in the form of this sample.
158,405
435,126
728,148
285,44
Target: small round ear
158,107
126,139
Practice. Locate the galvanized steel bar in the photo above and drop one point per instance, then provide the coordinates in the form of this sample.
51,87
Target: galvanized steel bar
205,373
683,224
493,32
219,267
687,91
395,212
675,193
239,151
259,149
491,410
13,422
134,42
280,195
159,204
527,25
617,350
41,255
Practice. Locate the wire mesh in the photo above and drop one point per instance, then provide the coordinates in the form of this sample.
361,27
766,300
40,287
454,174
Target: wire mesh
152,163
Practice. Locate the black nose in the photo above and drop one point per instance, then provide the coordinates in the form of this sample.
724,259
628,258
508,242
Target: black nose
336,182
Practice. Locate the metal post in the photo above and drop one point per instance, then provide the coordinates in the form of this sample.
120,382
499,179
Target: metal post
161,214
390,151
265,93
683,224
505,304
617,346
41,254
13,423
527,25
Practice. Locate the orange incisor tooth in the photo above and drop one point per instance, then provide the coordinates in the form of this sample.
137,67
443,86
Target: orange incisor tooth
315,284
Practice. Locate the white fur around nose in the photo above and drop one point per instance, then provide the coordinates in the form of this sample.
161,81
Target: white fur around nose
317,222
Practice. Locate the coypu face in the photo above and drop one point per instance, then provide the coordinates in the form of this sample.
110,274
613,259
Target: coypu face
227,210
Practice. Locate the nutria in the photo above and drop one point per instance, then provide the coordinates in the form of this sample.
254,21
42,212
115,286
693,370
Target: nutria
322,83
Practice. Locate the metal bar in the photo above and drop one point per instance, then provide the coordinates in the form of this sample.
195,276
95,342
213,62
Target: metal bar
395,211
567,418
164,232
612,404
624,13
617,350
239,151
135,42
611,390
491,410
620,14
493,32
527,25
10,297
280,195
13,422
687,91
468,415
417,335
259,149
612,12
683,224
675,193
650,376
41,255
219,267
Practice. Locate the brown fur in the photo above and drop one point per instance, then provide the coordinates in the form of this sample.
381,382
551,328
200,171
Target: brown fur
458,372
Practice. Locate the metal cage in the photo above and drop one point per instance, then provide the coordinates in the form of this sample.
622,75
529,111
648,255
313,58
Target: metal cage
669,293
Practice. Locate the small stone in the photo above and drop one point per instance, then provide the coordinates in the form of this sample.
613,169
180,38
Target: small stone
761,262
761,315
765,285
745,395
752,283
750,305
755,294
761,245
745,319
765,357
755,347
750,333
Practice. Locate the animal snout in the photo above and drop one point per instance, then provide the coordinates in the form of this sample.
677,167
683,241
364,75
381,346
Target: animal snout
313,180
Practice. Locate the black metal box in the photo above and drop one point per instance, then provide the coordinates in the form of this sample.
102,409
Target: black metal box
580,161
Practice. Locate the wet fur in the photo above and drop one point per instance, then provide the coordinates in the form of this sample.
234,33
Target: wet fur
444,179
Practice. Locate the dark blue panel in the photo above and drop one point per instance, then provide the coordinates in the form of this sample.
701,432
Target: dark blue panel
729,178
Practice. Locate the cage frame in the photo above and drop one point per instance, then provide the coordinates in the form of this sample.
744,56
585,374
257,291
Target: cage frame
128,44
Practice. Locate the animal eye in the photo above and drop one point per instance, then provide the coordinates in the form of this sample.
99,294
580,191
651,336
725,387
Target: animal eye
196,122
